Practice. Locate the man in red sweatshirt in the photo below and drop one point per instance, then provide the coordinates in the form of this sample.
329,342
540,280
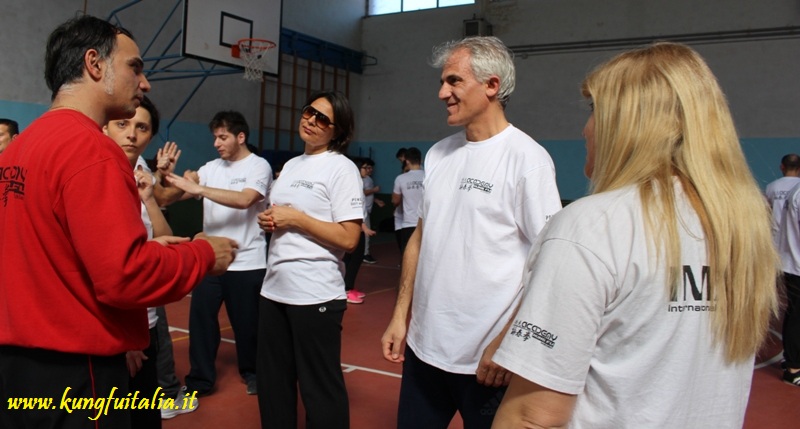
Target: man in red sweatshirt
76,269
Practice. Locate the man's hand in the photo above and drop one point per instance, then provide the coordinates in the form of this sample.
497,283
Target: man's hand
224,251
393,342
144,182
187,183
489,373
133,360
167,158
192,175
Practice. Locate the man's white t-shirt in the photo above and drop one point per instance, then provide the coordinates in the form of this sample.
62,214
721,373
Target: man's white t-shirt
484,204
369,200
597,321
776,192
789,233
303,271
240,225
410,187
152,317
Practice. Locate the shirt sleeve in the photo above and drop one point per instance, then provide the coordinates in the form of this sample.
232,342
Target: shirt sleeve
103,215
554,334
347,195
260,178
538,200
398,185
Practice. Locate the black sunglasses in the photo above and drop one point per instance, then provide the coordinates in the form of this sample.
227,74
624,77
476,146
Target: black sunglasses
320,119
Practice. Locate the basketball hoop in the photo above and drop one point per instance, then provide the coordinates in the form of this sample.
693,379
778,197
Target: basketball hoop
253,53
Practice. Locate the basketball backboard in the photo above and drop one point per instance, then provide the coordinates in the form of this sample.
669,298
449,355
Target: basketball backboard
211,27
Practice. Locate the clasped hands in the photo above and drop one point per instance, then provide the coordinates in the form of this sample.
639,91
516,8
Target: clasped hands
277,217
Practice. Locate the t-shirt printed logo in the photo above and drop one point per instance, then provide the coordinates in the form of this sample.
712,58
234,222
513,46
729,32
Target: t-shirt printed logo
526,331
692,295
357,203
416,184
12,180
468,184
302,184
238,180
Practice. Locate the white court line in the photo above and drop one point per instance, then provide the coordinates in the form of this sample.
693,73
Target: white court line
347,368
351,368
186,331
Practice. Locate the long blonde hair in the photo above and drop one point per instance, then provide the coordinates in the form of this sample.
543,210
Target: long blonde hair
659,115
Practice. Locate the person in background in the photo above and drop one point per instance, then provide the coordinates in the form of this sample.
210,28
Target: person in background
367,167
9,129
777,191
407,192
646,301
352,261
401,156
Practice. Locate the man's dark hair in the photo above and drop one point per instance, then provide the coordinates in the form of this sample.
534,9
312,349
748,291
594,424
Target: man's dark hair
13,126
401,152
369,161
413,155
791,161
233,121
155,118
343,120
67,45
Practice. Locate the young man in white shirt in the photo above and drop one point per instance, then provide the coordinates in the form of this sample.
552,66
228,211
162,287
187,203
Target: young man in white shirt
778,190
407,192
234,189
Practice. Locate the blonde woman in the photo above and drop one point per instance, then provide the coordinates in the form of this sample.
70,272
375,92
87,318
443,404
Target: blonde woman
646,301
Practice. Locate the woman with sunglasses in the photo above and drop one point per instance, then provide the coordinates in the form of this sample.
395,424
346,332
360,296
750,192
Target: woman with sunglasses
315,217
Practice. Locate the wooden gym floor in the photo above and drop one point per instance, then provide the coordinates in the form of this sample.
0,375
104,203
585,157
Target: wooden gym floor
373,384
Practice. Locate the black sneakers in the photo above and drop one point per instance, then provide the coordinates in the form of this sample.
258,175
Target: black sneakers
252,388
791,378
368,259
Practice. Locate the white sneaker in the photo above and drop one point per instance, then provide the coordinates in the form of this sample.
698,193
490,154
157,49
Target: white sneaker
184,403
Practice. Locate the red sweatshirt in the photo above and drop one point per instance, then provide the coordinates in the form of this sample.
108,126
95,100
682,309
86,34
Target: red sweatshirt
76,269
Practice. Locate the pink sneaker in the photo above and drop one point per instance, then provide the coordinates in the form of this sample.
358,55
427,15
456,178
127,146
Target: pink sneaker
353,298
359,293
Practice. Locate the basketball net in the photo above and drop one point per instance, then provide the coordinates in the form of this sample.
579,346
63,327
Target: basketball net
253,53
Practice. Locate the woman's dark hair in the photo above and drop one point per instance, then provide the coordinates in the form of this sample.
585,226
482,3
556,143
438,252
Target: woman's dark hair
155,118
344,123
67,44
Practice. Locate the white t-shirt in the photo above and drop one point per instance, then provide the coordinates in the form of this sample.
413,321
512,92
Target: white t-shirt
240,225
152,317
484,204
789,233
597,321
776,192
368,199
303,271
398,217
409,185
